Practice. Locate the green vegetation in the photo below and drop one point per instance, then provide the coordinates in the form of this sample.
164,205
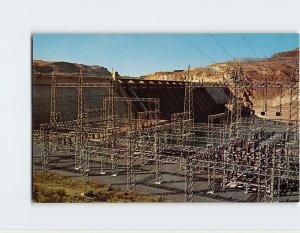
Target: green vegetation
52,188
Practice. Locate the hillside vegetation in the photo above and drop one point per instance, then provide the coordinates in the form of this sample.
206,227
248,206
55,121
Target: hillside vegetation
52,188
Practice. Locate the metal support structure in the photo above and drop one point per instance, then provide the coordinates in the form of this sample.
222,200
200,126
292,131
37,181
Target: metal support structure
158,177
293,121
79,150
188,116
189,184
53,103
252,155
130,169
236,98
45,149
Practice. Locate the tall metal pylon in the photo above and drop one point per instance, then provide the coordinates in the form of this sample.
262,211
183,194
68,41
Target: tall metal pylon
85,163
188,117
45,149
293,121
236,95
45,153
79,150
111,112
189,184
111,108
158,179
53,101
187,134
130,169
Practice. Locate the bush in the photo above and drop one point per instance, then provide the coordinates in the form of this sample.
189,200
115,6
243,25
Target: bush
52,188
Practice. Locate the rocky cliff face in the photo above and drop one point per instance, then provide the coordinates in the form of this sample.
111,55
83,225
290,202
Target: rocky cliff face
277,68
206,74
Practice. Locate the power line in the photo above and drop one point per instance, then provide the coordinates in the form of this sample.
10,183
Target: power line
247,42
221,45
197,48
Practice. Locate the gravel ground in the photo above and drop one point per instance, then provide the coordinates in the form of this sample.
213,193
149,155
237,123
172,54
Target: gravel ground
171,189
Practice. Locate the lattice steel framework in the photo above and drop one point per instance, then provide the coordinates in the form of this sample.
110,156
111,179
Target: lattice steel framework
253,155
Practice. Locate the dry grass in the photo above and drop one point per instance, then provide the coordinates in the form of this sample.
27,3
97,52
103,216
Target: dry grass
51,188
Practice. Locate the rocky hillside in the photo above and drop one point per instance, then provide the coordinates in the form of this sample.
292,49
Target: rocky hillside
206,74
278,67
288,54
39,66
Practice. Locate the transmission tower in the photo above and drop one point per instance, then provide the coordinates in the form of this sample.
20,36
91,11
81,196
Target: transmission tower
158,179
45,149
189,184
236,86
187,134
79,150
188,117
130,170
293,127
111,130
53,103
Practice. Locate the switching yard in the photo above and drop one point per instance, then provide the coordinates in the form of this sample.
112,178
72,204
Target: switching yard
194,150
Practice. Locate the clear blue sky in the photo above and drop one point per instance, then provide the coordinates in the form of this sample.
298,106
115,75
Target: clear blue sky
140,54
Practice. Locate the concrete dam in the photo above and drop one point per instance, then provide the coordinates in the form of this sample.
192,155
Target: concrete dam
207,100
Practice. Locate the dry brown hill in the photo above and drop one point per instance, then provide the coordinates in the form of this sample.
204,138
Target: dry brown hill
208,74
278,67
39,66
287,54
